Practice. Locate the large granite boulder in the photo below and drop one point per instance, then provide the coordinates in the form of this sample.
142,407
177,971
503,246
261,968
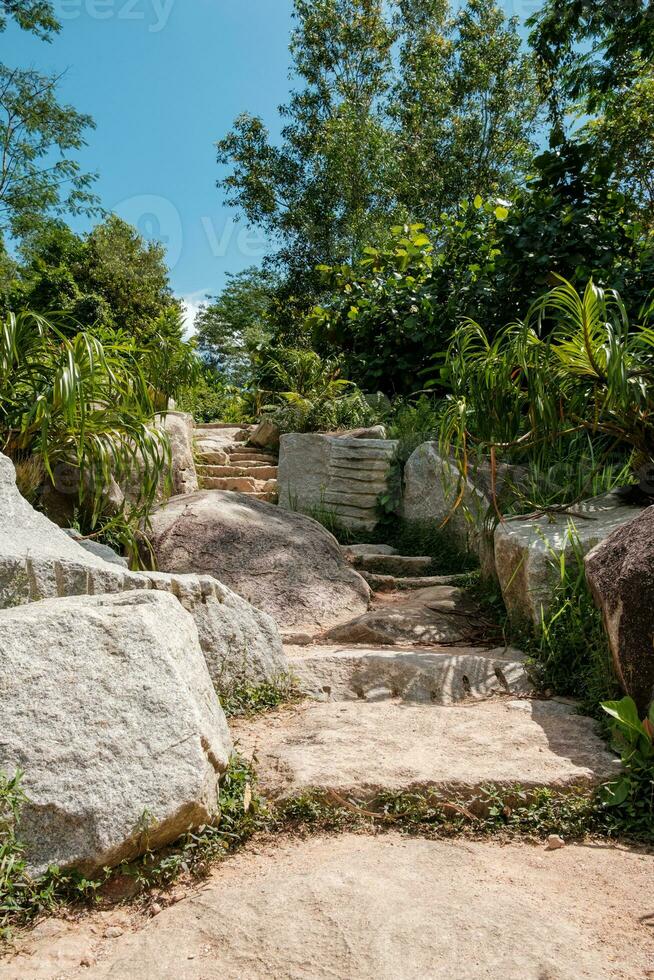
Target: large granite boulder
528,551
620,572
343,476
40,561
285,564
265,436
108,709
432,493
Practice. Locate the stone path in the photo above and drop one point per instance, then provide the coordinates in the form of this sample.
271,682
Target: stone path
226,462
416,707
376,908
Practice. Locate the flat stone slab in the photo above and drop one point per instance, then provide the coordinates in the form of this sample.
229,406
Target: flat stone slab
440,614
445,676
376,908
393,564
361,749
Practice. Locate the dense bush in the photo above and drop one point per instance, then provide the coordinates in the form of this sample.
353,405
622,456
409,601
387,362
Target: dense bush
398,307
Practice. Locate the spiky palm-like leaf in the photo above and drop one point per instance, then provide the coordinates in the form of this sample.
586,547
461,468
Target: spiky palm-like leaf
75,400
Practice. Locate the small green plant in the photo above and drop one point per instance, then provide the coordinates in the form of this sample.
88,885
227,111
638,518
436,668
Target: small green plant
248,699
630,798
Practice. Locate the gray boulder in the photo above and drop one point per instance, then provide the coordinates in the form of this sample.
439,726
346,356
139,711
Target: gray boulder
179,428
528,551
285,564
432,492
265,436
620,572
108,709
40,561
97,548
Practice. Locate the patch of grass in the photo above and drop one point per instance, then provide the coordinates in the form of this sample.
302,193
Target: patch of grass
22,898
509,813
426,538
247,700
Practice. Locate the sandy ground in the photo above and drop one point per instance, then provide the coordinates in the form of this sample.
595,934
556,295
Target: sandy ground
356,907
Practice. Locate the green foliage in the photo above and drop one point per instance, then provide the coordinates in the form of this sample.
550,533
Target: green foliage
464,106
38,136
569,652
397,308
573,365
371,136
110,279
630,799
249,700
74,400
208,399
232,328
310,393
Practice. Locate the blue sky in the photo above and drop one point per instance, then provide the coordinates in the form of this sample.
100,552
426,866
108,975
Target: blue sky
163,80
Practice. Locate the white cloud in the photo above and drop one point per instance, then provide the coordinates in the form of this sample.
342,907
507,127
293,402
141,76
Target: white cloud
190,306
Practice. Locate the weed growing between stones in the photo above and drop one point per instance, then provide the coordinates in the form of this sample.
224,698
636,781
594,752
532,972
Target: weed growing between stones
23,898
245,700
507,813
513,812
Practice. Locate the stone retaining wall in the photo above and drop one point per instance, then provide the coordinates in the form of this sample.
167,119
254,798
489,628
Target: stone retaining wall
344,476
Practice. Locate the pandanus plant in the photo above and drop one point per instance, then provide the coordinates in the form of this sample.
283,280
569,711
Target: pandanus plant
573,370
72,399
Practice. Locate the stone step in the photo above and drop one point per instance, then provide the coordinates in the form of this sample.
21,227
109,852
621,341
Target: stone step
442,614
397,565
438,676
254,455
238,484
354,550
254,471
392,583
362,749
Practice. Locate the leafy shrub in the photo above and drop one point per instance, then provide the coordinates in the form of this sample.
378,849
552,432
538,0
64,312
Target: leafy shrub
307,394
209,400
573,367
74,399
630,798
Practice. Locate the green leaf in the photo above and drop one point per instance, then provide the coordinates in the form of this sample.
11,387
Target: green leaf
478,202
501,213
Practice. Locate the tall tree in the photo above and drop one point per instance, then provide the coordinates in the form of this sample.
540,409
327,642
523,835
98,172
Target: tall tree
39,175
405,107
325,188
109,279
232,327
465,104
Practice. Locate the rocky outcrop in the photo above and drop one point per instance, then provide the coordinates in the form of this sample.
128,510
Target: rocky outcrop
285,564
108,709
343,476
179,429
528,551
40,561
620,572
265,436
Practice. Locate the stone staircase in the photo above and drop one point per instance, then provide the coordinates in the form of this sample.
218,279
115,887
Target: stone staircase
417,695
224,461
